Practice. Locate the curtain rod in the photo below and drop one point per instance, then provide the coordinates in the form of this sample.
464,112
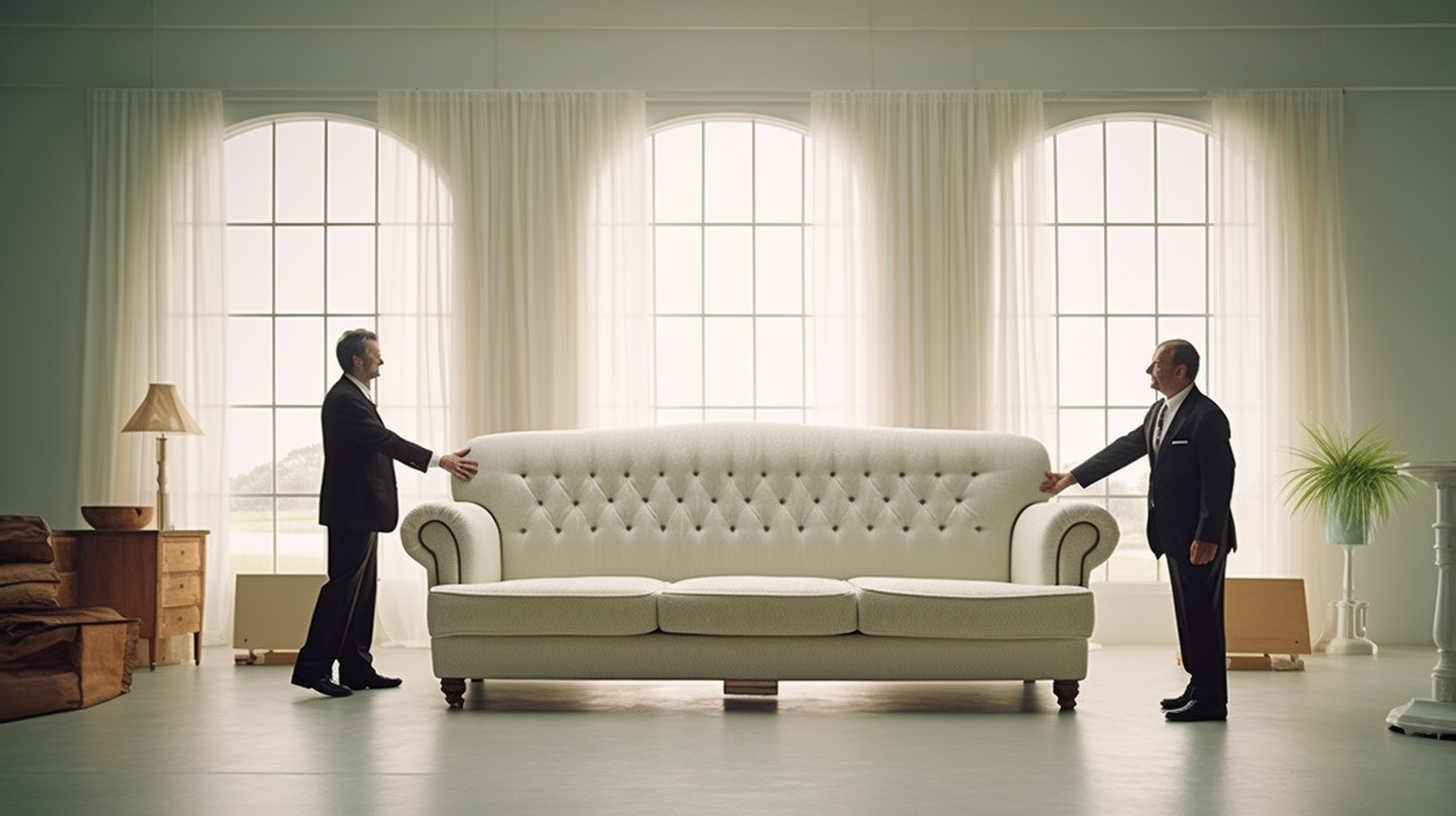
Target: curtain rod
797,97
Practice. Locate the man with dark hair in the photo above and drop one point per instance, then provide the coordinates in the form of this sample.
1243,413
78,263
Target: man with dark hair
358,500
1185,435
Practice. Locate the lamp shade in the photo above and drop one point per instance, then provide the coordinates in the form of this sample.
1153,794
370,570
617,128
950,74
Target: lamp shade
162,410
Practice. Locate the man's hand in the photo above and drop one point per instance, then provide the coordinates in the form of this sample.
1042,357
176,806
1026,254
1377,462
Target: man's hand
1201,552
458,465
1057,482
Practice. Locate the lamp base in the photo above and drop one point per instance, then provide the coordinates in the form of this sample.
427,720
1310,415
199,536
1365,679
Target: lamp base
1345,630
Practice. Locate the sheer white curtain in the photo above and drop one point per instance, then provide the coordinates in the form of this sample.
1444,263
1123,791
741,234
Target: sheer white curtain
926,276
1278,333
513,278
155,311
542,233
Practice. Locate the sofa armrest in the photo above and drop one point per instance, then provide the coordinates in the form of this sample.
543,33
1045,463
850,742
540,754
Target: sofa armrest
457,542
1061,542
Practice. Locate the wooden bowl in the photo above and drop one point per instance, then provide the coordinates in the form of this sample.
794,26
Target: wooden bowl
116,516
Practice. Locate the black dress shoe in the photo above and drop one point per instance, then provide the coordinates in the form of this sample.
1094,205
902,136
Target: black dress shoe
323,685
1198,712
378,681
1175,703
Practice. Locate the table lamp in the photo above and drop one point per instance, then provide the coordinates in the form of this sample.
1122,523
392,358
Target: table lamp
162,412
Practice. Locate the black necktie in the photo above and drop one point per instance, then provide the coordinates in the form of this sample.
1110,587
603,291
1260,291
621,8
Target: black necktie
1158,432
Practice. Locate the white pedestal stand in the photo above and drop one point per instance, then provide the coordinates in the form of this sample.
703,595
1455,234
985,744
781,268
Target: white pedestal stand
1348,619
1436,716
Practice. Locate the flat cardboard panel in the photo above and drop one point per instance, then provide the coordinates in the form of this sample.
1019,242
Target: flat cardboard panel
1265,616
272,611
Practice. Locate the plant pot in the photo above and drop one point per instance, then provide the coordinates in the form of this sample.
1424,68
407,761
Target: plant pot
1342,530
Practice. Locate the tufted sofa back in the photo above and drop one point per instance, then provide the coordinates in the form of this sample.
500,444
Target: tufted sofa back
681,501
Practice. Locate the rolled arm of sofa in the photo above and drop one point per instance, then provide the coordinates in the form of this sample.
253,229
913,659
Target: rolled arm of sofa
457,542
1061,542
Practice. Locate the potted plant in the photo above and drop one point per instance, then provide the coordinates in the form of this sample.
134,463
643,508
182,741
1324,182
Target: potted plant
1353,482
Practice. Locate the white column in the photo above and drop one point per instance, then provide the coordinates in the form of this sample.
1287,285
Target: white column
1436,715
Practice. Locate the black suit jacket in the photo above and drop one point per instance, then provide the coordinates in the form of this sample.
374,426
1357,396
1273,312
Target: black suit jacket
359,490
1192,478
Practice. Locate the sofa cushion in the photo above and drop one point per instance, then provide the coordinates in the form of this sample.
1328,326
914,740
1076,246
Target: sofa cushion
599,605
757,605
943,608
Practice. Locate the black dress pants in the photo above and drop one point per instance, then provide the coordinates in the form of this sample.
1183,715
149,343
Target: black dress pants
342,627
1198,608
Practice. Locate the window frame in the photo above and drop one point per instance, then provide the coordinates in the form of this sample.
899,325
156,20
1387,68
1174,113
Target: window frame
754,409
1132,555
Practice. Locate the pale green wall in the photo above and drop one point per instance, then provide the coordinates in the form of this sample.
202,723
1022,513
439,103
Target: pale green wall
763,55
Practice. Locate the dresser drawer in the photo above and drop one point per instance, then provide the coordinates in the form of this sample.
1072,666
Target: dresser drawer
179,620
181,589
181,554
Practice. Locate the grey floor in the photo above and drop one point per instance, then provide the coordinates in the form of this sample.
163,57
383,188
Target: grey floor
224,739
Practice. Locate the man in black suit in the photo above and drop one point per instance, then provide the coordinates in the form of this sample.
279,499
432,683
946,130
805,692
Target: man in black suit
357,501
1186,437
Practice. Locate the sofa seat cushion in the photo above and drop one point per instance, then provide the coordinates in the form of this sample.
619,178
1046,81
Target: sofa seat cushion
757,605
945,608
593,605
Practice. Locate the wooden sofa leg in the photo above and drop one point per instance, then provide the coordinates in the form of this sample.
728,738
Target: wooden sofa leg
763,688
1066,691
454,688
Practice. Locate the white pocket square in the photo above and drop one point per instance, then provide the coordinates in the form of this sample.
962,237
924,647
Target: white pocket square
1178,442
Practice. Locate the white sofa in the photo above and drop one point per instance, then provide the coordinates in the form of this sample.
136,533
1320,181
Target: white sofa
754,553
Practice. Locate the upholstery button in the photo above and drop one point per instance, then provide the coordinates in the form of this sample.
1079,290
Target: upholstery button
664,528
922,501
979,528
679,499
907,529
801,528
732,529
699,528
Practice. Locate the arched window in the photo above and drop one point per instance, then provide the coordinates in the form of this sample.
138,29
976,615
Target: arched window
1130,222
302,266
729,222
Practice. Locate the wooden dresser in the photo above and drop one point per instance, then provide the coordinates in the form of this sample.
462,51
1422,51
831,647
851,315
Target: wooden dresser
156,576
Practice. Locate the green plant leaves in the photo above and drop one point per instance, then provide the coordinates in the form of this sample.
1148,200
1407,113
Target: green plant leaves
1352,479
